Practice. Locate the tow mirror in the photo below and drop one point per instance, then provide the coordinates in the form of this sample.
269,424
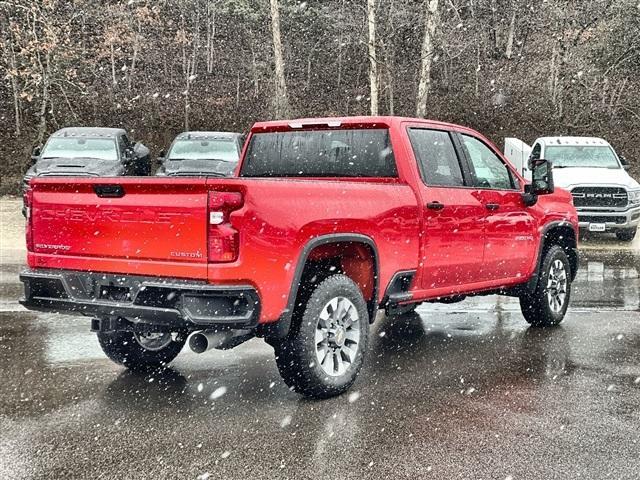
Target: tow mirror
542,177
542,181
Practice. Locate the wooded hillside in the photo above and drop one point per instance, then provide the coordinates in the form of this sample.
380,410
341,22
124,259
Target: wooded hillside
520,68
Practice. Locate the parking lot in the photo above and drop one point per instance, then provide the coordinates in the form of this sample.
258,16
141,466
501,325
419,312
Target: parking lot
454,391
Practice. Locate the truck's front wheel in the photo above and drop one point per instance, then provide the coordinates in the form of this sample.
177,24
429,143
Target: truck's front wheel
547,305
141,351
322,355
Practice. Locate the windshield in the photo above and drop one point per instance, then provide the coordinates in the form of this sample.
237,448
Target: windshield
225,150
100,148
585,156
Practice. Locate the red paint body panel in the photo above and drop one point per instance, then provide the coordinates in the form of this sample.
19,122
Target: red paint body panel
159,227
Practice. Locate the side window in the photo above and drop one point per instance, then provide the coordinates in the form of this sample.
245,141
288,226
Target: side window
437,158
490,171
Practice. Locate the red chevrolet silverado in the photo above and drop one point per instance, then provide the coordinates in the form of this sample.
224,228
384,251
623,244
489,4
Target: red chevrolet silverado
328,221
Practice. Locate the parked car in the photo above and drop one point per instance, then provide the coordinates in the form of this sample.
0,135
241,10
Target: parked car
88,151
202,153
605,195
328,221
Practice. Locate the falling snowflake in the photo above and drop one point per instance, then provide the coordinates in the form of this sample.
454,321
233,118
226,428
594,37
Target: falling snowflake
218,392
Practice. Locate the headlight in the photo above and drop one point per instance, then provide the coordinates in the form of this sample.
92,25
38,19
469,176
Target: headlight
634,197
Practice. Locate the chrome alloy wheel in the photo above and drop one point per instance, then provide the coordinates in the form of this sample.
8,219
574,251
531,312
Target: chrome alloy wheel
153,341
557,286
337,336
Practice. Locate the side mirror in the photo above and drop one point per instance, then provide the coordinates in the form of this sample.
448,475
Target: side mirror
624,162
128,156
35,155
541,177
542,181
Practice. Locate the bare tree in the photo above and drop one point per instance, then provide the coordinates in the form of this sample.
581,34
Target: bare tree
426,54
281,100
373,62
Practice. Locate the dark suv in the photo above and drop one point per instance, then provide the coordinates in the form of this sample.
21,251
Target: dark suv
202,154
89,151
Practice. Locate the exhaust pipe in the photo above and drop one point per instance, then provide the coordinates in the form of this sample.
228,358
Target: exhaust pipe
205,340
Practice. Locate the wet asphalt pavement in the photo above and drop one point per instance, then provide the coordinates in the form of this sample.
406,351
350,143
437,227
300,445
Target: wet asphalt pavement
455,391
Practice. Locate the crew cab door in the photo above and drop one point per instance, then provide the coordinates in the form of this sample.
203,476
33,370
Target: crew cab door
453,217
510,236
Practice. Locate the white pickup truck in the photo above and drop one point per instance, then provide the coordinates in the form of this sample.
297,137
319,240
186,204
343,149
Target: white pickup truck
606,197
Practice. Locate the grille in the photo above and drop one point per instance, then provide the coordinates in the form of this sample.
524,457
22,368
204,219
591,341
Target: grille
602,219
600,197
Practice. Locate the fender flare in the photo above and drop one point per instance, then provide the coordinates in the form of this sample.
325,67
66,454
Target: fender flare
280,328
533,281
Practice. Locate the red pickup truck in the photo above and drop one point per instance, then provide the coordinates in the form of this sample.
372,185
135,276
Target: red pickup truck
328,221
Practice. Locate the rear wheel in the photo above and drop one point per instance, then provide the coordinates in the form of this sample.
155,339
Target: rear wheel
322,355
626,235
547,305
141,351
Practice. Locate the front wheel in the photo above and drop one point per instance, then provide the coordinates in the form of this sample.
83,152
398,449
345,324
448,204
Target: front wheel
626,235
547,305
141,351
322,355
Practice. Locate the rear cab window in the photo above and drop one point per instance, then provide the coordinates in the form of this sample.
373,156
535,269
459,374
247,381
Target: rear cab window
321,153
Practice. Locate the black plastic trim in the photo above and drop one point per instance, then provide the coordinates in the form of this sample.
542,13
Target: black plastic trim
532,283
81,292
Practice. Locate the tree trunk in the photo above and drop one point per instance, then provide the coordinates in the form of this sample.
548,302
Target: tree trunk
211,33
510,37
431,17
373,63
187,107
114,81
14,85
494,28
134,58
42,124
281,101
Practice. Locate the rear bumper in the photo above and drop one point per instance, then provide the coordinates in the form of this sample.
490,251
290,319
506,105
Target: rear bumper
160,301
614,220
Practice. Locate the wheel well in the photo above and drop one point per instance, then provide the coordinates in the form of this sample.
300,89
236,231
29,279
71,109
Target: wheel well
357,260
565,237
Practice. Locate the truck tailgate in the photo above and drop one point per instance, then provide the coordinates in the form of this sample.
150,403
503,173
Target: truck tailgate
138,222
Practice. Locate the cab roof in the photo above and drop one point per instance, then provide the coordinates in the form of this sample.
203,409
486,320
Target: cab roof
99,132
200,135
574,141
369,121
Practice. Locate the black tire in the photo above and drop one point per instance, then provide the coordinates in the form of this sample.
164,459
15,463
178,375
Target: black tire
626,235
536,306
296,354
124,349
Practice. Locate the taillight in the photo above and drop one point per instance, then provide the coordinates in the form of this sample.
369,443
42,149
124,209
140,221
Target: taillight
223,239
28,200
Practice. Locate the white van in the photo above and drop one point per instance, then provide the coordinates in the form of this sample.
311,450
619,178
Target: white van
606,197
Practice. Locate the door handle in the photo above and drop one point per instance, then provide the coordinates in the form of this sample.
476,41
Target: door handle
435,206
492,206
